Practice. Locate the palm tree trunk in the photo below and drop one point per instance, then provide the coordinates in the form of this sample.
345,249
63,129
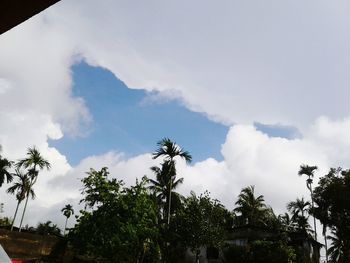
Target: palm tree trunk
324,233
32,181
197,255
65,227
312,204
326,246
14,217
24,210
169,205
170,188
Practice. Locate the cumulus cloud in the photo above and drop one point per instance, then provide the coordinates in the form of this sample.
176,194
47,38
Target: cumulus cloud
250,157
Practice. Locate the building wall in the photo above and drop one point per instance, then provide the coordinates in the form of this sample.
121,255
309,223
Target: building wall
27,246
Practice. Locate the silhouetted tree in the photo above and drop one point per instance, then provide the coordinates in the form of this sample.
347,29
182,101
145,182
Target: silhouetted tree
32,162
309,172
250,207
170,150
21,187
67,212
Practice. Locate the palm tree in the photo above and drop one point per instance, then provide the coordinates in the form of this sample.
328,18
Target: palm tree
67,212
309,172
299,210
251,208
33,161
286,221
298,207
20,187
161,186
5,165
336,250
170,150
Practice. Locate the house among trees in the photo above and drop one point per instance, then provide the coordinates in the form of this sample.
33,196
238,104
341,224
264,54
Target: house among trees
239,242
307,245
303,244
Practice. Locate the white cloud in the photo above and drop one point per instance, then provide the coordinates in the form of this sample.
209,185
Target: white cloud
250,158
35,63
236,61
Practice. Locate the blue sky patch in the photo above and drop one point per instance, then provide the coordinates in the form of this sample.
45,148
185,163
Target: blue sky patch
124,123
278,130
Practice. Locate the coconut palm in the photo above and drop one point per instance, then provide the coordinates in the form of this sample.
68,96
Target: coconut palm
161,185
33,162
299,210
309,172
169,151
5,174
251,208
20,187
67,212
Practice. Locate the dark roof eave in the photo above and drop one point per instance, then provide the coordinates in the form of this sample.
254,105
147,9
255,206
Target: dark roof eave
14,12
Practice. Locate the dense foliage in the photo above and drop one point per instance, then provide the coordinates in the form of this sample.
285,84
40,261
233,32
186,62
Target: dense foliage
201,222
120,222
151,222
48,228
332,198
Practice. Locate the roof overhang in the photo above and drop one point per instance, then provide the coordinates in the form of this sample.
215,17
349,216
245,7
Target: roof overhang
14,12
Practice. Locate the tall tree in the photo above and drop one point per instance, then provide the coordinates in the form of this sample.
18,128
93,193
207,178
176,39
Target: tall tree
168,204
332,197
34,162
20,187
169,151
67,212
161,186
250,207
309,172
321,213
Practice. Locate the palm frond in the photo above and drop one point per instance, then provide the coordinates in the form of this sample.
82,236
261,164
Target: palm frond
169,150
307,170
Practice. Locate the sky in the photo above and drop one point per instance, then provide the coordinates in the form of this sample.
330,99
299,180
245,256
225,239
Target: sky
252,89
133,121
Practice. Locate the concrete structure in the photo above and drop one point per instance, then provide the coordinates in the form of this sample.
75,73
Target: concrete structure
28,246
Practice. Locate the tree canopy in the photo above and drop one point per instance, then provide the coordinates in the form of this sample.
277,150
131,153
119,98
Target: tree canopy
332,199
121,225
